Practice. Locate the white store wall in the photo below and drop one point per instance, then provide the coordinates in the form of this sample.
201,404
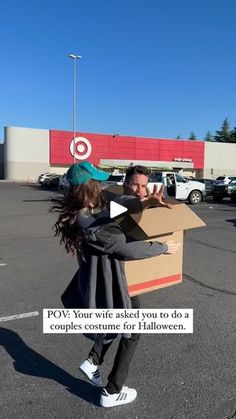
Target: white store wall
221,158
26,153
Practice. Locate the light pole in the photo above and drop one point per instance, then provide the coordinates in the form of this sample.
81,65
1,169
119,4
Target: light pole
74,58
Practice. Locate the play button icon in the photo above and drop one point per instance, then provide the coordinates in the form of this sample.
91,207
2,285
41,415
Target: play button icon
116,209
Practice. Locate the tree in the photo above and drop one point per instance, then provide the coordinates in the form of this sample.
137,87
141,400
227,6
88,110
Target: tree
224,135
192,136
208,136
233,135
178,137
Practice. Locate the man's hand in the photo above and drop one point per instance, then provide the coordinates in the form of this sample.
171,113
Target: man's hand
156,198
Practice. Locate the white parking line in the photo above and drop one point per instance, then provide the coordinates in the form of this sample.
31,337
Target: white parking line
2,264
19,316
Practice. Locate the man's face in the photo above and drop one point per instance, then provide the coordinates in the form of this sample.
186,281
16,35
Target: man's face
137,186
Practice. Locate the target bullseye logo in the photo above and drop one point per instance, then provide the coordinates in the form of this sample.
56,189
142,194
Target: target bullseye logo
83,148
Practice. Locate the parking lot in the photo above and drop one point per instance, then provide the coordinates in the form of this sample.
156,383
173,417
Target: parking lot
176,376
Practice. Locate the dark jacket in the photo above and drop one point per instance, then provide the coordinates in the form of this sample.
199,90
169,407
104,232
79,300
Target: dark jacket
100,280
101,276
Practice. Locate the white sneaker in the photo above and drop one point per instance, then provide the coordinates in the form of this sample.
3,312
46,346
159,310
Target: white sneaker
91,371
126,395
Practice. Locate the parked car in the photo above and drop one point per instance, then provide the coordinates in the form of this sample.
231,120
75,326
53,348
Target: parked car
43,178
224,180
190,178
224,191
114,179
63,185
233,197
209,185
179,187
52,182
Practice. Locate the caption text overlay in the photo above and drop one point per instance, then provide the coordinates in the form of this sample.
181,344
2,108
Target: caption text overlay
118,321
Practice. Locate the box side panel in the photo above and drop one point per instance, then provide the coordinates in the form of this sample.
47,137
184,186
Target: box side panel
149,274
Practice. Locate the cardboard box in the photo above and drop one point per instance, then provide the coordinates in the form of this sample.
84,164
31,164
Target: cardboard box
157,224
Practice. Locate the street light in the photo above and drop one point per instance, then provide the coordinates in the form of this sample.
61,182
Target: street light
74,57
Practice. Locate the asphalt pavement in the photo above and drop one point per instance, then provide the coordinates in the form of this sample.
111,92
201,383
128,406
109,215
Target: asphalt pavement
177,376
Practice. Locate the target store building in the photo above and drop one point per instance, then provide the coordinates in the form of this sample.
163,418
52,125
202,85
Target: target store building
29,152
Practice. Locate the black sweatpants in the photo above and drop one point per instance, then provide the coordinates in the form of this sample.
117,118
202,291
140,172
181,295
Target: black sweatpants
123,358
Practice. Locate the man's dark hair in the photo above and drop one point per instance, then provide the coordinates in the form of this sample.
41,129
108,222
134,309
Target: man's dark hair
136,170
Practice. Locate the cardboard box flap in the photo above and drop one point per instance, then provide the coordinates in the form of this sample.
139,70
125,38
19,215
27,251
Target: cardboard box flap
157,221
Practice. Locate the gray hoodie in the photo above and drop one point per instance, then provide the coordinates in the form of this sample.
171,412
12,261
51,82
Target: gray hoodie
100,281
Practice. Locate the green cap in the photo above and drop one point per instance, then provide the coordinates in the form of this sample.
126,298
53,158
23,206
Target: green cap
80,173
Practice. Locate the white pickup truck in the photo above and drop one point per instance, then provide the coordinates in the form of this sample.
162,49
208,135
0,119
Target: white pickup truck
179,187
176,186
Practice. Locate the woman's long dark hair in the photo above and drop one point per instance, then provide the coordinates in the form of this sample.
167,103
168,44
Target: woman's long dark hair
88,195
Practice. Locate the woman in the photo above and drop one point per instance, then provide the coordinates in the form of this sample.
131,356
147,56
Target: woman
84,227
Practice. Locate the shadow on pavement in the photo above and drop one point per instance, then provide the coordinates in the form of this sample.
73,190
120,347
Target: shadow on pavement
233,221
29,362
39,200
33,186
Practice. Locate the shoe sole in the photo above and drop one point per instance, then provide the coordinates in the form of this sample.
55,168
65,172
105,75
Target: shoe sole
115,405
118,404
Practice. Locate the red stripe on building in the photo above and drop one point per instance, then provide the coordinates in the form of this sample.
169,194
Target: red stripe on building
107,147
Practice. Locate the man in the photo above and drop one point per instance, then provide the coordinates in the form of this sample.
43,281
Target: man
136,186
136,197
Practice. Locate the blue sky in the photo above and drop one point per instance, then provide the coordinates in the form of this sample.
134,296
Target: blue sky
155,68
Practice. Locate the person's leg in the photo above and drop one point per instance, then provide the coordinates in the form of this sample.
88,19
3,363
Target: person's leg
95,357
98,351
124,355
123,358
